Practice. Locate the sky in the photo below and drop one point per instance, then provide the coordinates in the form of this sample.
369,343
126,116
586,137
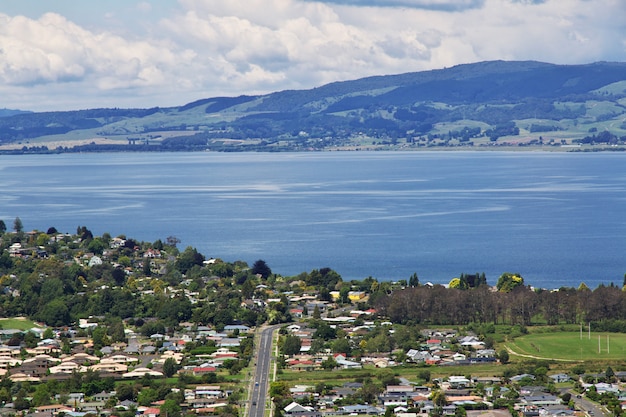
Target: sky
79,54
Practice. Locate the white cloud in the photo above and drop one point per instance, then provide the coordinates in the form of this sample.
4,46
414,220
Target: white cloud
204,48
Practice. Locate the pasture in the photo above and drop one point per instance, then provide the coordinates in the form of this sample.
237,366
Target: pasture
569,346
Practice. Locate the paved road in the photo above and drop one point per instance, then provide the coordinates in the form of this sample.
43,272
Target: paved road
261,380
587,406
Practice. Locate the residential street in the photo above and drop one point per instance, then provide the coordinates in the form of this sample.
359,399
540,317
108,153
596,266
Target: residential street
261,380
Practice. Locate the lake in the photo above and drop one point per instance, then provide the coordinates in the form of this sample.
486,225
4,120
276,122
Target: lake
556,218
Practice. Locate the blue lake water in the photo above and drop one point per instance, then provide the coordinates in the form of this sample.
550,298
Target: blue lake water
556,218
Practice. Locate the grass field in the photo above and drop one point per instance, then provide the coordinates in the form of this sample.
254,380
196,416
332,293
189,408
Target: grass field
17,323
569,346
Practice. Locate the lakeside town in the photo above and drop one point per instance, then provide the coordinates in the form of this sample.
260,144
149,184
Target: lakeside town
145,329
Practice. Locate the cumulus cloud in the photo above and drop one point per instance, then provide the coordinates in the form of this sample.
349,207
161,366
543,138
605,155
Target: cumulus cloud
444,5
203,48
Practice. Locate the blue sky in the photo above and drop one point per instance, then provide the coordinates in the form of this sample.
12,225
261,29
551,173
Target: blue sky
75,54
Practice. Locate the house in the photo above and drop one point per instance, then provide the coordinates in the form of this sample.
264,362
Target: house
489,413
346,364
356,296
103,396
239,327
295,409
151,412
540,400
203,370
518,378
361,409
458,382
433,343
559,377
415,355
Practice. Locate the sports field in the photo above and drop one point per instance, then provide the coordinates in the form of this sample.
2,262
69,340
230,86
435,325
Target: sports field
570,346
17,323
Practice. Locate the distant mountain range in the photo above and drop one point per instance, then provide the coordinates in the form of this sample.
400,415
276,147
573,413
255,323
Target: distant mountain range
494,103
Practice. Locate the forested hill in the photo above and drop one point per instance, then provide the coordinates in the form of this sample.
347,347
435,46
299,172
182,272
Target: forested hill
482,104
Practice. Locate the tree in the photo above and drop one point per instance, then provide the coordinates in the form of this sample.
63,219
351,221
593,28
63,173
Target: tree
329,364
414,281
457,283
342,346
261,268
503,356
438,398
172,241
170,367
55,313
18,227
170,408
188,259
508,281
316,313
3,229
291,345
424,375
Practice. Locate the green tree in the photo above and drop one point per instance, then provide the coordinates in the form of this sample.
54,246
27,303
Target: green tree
508,281
438,398
48,333
170,367
414,281
41,395
146,397
188,259
291,345
423,375
18,227
99,337
3,229
21,402
342,345
503,355
5,395
329,363
316,313
170,408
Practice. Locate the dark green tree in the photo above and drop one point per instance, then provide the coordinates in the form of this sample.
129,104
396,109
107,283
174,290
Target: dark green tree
170,408
188,259
55,313
170,367
18,227
291,345
414,281
3,229
329,363
342,345
503,355
261,268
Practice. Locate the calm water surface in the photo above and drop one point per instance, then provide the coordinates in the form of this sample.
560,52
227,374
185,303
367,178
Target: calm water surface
558,219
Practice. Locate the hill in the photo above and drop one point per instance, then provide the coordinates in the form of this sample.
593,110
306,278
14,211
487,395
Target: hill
496,103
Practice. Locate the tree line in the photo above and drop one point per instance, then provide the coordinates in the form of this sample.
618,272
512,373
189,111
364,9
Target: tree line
508,303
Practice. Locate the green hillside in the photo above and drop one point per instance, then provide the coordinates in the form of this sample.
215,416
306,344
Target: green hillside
484,104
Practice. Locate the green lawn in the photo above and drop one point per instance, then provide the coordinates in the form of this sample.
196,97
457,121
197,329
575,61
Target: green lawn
17,323
570,346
